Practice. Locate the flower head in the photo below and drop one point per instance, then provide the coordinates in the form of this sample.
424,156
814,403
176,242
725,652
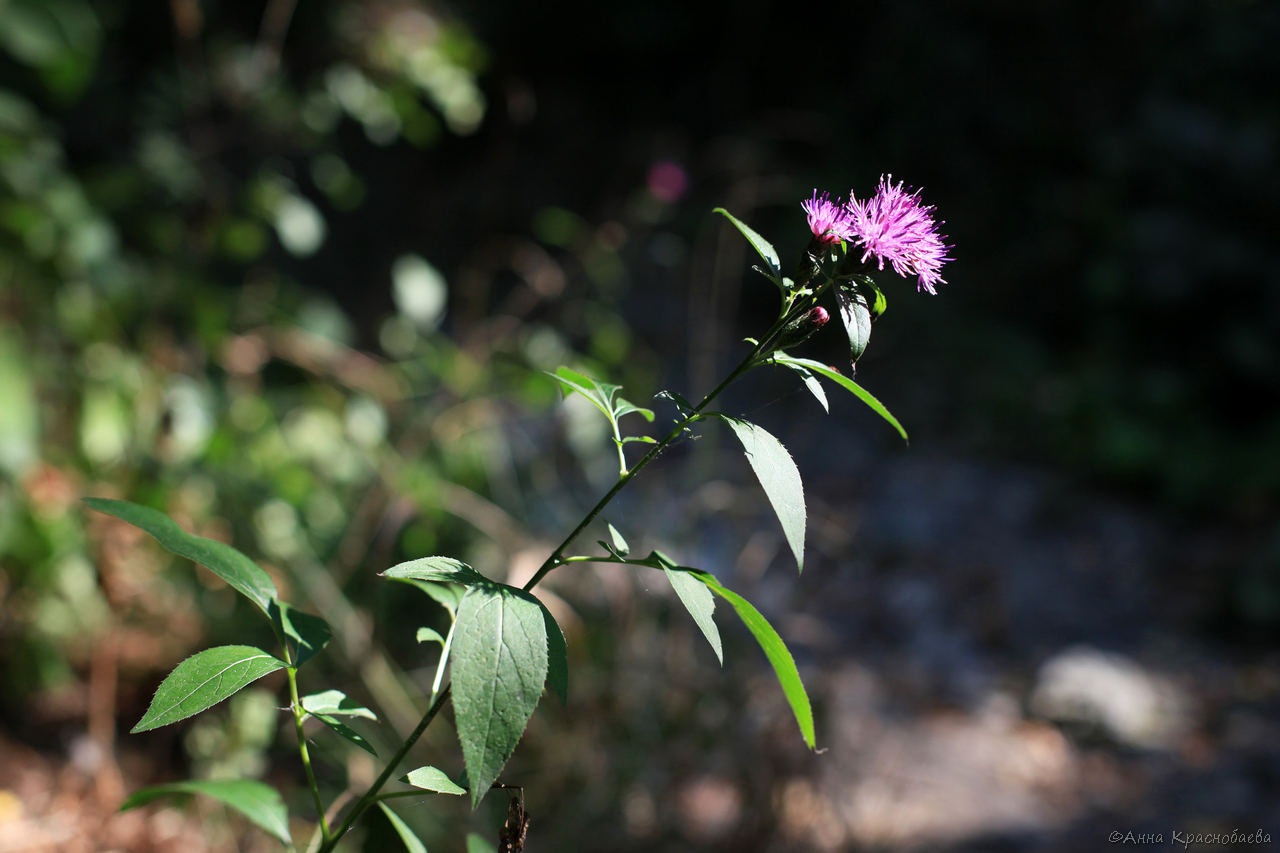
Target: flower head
830,221
894,226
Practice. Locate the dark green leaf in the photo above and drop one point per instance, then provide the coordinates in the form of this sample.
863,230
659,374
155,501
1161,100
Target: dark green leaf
335,703
845,382
204,680
697,599
433,779
309,633
244,575
557,656
762,246
784,665
258,802
499,670
855,314
780,478
346,731
407,837
683,406
436,570
810,381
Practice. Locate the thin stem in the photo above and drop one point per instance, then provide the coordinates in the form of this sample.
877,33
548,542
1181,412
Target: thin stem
444,659
298,716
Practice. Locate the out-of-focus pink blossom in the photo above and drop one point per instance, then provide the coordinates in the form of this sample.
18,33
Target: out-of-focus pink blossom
667,181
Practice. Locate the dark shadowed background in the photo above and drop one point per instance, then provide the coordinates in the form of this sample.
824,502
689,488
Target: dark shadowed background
291,274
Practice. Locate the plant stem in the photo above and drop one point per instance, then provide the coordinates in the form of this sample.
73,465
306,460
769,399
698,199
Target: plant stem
298,716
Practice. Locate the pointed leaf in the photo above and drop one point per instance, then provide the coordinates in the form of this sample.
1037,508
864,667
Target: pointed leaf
430,635
600,394
855,314
309,633
780,478
258,802
436,570
845,382
204,680
243,574
499,670
620,546
810,381
557,657
784,665
697,599
624,407
762,246
683,406
335,703
411,841
433,779
347,732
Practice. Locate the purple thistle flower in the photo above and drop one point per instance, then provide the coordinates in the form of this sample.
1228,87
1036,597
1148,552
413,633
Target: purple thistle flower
830,221
894,226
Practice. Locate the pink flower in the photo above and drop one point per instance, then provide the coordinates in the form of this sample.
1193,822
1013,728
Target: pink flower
894,226
830,221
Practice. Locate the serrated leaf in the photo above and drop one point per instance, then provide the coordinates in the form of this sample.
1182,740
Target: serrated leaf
499,669
258,802
479,844
335,703
345,731
429,635
762,246
436,570
620,546
309,633
432,779
557,657
697,599
242,574
407,837
855,314
784,665
204,680
844,382
780,478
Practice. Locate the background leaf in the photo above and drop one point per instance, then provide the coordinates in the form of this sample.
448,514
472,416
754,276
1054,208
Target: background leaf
411,841
784,665
499,670
844,382
780,478
243,574
432,779
204,680
762,246
479,844
258,802
697,599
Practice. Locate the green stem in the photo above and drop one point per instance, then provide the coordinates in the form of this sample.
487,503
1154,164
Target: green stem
298,716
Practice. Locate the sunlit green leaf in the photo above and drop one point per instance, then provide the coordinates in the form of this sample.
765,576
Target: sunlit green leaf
762,246
620,546
433,779
407,837
697,599
244,575
429,635
204,680
778,475
436,570
258,802
844,382
335,703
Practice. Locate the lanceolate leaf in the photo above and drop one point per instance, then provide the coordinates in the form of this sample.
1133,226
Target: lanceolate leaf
258,802
346,731
620,546
780,478
762,246
855,314
844,382
499,669
433,779
407,837
784,665
697,599
204,680
437,570
244,575
810,381
335,703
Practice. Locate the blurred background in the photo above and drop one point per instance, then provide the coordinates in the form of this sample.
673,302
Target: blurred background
291,274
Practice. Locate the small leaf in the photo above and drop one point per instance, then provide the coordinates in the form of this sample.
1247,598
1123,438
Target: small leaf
258,802
204,680
697,599
309,633
499,670
844,382
346,731
623,407
620,546
781,480
877,304
335,703
411,841
430,635
243,574
436,570
433,779
683,406
784,665
646,439
479,844
599,393
762,246
856,316
810,381
557,657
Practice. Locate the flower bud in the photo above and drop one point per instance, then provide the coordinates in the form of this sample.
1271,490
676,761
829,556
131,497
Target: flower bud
802,328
